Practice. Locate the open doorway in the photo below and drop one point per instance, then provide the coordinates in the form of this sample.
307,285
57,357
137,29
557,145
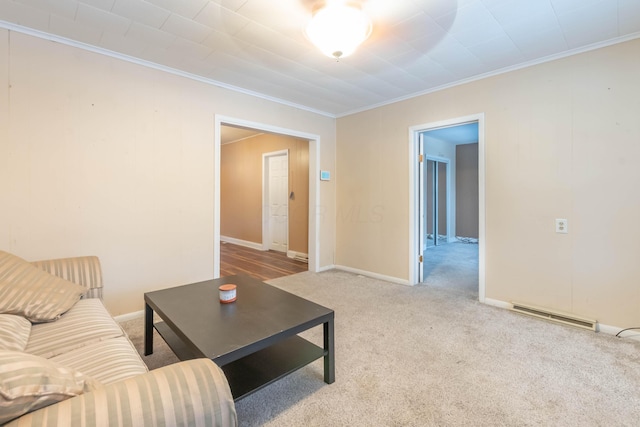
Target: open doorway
245,155
450,192
448,204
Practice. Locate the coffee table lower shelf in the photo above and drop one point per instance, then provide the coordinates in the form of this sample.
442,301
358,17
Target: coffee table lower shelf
259,369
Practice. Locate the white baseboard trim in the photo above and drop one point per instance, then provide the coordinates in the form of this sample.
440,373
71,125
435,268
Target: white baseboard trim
605,329
373,275
326,268
298,256
609,330
614,330
498,303
245,243
129,316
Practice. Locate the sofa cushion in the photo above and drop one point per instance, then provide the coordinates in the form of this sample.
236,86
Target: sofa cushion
82,270
191,393
107,361
35,294
30,382
14,332
87,322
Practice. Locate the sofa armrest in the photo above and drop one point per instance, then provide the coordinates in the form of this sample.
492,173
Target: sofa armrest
84,271
190,393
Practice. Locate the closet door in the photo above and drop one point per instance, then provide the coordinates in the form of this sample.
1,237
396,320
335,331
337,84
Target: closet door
435,188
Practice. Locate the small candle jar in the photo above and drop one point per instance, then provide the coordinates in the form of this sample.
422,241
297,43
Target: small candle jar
227,293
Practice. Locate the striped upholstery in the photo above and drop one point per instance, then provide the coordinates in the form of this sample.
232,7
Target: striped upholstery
107,361
33,293
86,339
84,271
28,383
14,332
191,393
88,321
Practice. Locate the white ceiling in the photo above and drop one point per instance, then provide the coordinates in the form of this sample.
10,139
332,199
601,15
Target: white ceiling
258,45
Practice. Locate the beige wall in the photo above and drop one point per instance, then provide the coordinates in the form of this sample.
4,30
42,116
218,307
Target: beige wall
241,188
101,156
105,157
562,141
467,190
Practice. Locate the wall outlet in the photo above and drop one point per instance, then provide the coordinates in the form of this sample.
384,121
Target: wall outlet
562,225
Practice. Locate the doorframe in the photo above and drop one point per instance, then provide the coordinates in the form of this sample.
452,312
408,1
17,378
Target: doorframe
414,143
314,185
266,229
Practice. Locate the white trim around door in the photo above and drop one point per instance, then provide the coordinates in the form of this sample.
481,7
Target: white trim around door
414,223
314,185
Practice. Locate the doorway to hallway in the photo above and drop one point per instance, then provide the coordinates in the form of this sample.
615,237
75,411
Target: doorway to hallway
243,226
448,200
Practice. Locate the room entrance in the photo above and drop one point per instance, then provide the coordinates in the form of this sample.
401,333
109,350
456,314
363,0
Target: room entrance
448,204
301,192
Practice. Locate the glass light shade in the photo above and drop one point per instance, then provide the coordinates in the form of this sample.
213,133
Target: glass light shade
338,29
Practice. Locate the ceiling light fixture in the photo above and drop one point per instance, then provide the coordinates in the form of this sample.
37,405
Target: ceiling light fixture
338,28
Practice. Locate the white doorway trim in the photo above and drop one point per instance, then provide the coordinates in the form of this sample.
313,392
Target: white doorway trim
314,185
266,230
414,145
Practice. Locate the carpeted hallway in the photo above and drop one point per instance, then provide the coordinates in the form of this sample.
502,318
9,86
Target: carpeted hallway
432,356
452,266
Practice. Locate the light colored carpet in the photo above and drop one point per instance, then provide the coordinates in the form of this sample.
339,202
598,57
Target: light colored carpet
431,356
452,266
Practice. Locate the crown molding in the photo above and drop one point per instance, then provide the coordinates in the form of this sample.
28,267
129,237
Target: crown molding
95,49
153,65
504,70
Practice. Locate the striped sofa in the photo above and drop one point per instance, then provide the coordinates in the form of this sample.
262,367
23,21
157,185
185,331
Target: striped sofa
88,340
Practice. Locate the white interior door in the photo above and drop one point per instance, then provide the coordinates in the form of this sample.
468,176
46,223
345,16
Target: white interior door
278,194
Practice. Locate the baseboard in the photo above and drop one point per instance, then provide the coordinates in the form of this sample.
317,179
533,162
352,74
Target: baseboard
605,329
129,316
614,330
611,330
326,268
245,243
498,303
373,275
298,256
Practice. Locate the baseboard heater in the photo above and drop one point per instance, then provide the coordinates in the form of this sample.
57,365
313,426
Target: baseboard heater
567,319
301,258
297,256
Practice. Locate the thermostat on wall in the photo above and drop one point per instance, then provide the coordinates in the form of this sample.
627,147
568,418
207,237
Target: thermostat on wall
325,175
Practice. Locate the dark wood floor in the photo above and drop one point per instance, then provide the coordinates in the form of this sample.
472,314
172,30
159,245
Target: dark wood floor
262,265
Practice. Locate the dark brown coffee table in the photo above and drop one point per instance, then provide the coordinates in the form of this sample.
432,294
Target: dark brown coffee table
254,339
